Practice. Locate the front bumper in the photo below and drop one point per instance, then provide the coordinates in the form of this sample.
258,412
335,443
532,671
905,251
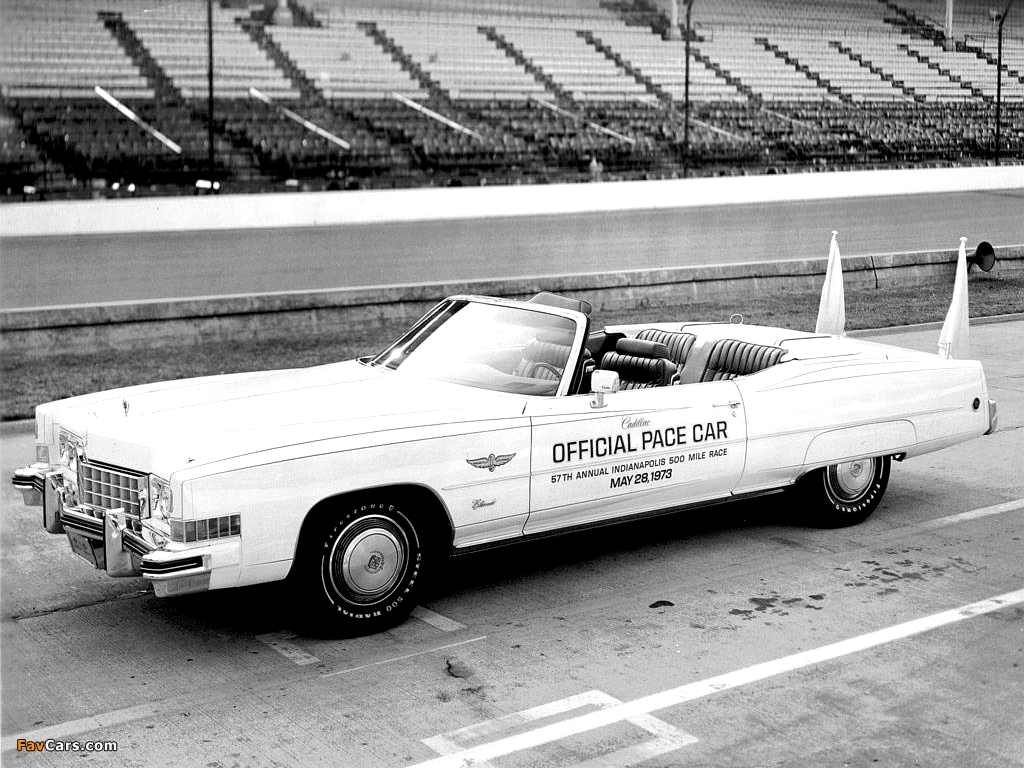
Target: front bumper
106,539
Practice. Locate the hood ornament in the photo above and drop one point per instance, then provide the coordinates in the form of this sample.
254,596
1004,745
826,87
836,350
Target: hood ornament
491,462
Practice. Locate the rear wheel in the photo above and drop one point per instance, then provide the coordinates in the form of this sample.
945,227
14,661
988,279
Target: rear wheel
361,569
846,493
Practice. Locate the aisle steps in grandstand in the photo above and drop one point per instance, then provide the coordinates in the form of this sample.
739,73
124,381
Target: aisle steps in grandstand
62,50
583,72
988,52
164,90
303,16
406,62
434,138
460,57
301,83
772,79
725,74
538,73
176,36
795,63
855,80
661,62
859,59
626,66
977,93
22,167
343,62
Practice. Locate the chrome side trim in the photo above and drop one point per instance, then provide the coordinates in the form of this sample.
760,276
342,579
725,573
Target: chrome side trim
81,522
186,562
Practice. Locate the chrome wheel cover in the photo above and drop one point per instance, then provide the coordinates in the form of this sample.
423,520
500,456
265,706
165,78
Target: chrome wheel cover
851,480
368,558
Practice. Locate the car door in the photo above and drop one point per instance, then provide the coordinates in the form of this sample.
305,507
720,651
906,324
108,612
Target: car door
645,449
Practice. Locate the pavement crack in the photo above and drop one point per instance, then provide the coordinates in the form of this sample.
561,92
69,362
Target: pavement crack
75,606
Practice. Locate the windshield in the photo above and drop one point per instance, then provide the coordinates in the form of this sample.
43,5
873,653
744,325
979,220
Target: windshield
507,349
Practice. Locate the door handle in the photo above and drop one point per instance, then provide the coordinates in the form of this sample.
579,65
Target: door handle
734,404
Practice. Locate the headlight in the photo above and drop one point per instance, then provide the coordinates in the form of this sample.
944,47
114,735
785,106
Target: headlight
158,502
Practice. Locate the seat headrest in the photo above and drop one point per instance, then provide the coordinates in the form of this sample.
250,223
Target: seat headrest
563,302
641,348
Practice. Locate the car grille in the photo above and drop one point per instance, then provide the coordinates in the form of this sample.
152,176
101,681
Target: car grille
111,487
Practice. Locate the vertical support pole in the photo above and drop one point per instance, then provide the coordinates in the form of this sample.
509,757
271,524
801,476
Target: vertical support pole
999,87
209,79
686,95
999,79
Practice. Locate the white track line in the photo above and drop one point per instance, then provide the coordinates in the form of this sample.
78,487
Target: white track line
691,691
280,642
974,514
436,620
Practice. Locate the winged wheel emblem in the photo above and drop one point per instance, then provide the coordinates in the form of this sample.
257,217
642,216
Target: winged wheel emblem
491,462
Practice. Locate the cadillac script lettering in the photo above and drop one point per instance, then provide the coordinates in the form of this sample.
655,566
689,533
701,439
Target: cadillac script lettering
632,442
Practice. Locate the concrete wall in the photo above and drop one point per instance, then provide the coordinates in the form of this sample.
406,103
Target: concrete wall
378,206
157,323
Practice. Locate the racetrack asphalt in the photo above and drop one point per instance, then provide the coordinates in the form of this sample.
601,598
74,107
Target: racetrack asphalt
57,271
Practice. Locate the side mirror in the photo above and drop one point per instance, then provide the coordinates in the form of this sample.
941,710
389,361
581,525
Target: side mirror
602,383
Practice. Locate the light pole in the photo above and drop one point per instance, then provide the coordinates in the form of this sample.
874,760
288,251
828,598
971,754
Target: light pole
999,78
686,94
209,82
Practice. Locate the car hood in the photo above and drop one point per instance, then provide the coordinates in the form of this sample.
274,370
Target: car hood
162,427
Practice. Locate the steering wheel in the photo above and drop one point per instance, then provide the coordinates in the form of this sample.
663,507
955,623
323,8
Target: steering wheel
539,365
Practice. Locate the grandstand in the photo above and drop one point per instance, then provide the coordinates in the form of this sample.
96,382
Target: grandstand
384,93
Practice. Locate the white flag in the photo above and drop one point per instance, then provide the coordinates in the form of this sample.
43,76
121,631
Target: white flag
832,308
954,341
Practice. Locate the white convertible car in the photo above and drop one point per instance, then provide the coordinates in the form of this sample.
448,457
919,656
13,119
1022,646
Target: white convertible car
488,422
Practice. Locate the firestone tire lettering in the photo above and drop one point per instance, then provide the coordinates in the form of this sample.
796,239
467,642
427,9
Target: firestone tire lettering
362,569
844,494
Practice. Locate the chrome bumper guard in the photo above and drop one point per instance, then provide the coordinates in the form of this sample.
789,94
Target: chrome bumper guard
103,538
31,481
40,487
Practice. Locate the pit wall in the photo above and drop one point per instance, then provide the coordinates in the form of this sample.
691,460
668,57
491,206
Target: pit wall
92,328
310,209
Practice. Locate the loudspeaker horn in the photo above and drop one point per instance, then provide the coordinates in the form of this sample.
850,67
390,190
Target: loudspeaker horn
984,256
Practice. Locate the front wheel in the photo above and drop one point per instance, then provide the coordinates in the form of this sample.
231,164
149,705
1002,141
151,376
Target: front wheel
362,569
844,494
